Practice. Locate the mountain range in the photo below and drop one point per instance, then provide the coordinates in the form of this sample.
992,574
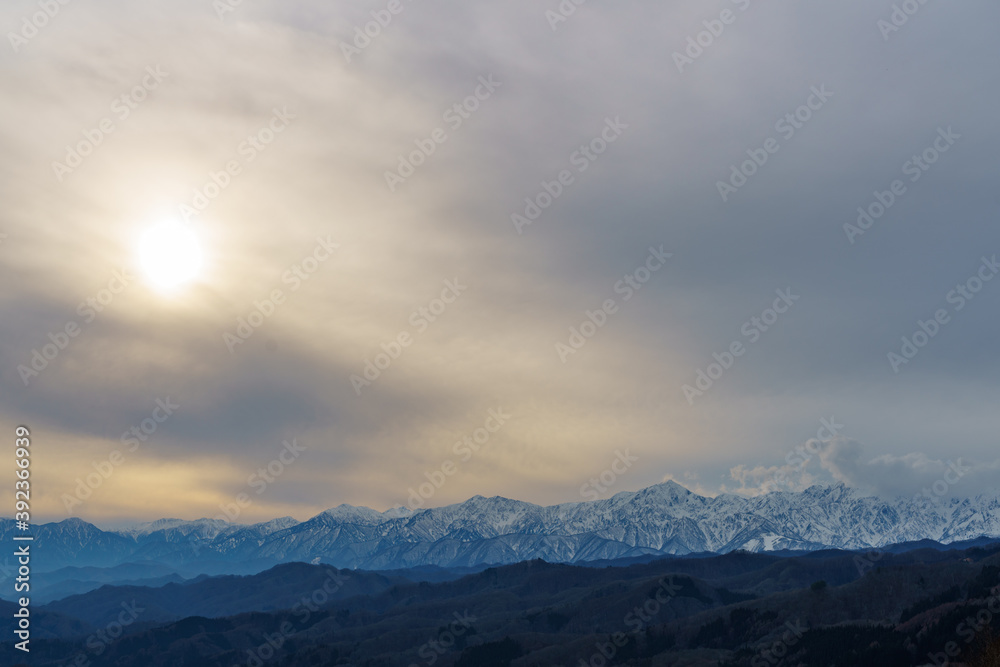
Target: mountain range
665,519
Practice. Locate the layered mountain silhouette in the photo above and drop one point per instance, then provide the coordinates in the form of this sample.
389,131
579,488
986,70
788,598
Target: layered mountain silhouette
665,519
828,575
899,608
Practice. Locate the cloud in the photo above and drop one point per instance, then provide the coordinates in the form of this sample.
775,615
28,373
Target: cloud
657,184
689,480
768,479
910,474
845,460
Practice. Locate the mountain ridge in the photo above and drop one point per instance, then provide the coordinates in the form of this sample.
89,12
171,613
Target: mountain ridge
665,519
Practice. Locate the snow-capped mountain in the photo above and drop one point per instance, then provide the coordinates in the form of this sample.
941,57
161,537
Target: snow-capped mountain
662,519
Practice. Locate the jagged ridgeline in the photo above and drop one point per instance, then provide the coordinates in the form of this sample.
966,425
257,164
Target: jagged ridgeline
665,519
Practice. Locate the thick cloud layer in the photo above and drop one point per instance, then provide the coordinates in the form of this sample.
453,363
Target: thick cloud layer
739,137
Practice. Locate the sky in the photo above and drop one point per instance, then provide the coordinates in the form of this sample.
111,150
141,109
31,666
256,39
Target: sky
493,248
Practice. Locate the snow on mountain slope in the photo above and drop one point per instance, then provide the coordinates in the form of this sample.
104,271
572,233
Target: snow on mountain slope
662,519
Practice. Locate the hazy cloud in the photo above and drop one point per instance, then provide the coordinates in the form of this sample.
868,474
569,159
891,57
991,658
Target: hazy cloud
656,184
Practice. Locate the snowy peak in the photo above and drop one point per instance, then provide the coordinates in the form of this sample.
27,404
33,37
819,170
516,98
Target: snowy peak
350,514
668,492
662,519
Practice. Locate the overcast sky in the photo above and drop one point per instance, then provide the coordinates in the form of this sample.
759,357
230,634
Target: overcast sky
623,132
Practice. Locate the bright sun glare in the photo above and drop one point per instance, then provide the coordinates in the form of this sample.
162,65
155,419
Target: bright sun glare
170,255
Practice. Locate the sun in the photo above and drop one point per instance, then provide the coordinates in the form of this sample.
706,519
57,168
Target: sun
171,256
